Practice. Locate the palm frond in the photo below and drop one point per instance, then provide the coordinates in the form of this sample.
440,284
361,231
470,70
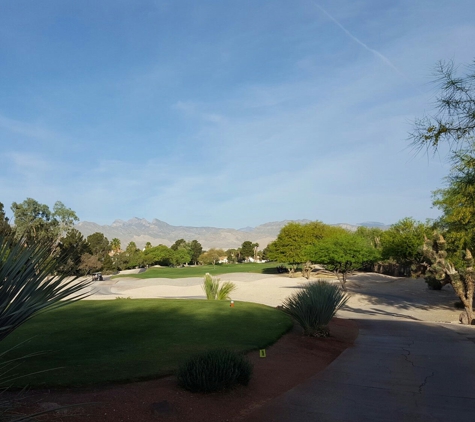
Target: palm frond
28,284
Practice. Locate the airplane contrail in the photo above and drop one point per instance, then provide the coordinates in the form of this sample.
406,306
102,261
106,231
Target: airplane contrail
376,53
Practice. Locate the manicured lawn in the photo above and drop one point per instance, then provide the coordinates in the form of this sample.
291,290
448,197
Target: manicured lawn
98,342
201,270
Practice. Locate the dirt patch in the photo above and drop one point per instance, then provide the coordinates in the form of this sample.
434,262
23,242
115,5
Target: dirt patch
289,362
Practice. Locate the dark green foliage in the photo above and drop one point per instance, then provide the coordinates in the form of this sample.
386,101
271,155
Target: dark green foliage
99,244
196,250
185,252
71,248
215,370
248,250
342,254
161,255
457,202
180,243
403,242
291,244
5,228
314,306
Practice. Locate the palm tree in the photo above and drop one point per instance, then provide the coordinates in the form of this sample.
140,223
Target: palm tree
115,245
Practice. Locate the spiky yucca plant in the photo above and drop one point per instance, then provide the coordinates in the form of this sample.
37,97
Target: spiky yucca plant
28,284
213,291
314,306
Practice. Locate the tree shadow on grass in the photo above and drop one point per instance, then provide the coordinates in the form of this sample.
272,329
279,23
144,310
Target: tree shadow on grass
103,342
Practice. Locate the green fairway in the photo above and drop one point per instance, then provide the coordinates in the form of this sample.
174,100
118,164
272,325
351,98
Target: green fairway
98,342
201,270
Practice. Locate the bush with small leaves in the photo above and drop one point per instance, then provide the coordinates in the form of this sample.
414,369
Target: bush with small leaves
314,306
215,370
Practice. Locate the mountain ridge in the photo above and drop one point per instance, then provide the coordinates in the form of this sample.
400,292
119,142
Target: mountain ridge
141,231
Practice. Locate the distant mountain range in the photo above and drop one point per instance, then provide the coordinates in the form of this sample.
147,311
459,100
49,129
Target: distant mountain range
141,231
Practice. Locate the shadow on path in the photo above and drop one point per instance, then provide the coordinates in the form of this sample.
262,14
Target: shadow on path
397,371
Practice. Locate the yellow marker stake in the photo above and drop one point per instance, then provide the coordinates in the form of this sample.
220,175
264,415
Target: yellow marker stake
262,353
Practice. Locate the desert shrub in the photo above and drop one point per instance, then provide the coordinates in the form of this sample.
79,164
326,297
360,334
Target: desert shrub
213,291
314,306
214,370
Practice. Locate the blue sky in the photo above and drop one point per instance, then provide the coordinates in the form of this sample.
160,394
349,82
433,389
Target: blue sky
226,113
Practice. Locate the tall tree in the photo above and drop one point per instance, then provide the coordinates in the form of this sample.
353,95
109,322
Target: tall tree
33,221
36,222
99,244
180,243
454,121
100,248
457,201
247,249
454,124
195,250
65,217
5,228
71,248
115,245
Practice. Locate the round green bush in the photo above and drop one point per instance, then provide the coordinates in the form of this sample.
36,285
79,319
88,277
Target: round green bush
215,370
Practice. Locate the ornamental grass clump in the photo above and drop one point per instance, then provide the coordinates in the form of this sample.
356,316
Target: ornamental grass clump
213,291
314,306
215,370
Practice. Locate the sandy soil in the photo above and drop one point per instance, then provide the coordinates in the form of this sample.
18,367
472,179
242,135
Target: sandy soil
370,293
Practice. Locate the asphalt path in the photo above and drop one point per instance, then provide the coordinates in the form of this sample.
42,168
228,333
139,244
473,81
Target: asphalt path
397,371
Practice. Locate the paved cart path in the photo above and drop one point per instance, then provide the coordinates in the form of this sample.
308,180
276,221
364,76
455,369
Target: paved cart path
398,370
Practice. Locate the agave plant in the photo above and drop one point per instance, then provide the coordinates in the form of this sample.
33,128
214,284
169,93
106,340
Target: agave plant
213,291
28,284
314,306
